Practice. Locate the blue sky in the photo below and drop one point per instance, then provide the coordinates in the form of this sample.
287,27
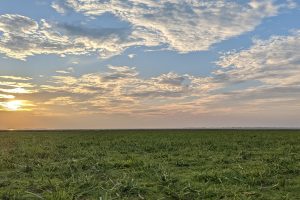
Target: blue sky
146,64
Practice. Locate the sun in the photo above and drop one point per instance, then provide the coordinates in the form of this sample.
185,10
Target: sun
14,105
17,105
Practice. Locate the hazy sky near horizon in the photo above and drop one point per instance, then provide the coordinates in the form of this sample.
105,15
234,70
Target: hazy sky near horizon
149,63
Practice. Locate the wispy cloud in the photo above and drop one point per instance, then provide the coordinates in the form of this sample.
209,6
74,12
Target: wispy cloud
261,76
17,78
13,87
268,71
183,25
16,85
121,89
256,79
6,96
23,37
131,55
273,62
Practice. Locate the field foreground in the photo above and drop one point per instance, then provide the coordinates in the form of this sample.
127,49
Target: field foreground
145,164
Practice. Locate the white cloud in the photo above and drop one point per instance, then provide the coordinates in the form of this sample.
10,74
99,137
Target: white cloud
131,56
259,78
23,37
17,24
12,90
275,62
58,8
17,78
62,72
184,25
16,85
122,90
16,90
262,78
5,96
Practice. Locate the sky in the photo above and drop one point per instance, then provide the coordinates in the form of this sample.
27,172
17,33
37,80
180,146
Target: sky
101,64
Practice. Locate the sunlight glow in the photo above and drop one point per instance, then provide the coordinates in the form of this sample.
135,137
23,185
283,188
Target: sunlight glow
14,105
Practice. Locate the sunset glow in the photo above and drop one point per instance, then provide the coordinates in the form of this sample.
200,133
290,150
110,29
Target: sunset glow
149,64
13,105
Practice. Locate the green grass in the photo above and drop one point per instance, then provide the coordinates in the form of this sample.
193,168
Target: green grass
158,164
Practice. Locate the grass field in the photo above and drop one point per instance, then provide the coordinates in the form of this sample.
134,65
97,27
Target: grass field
158,164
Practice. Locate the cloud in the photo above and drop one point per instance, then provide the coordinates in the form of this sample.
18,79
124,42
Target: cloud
253,79
23,37
16,91
60,9
5,96
131,56
62,72
122,90
17,78
13,90
184,26
273,62
60,101
16,85
17,24
263,78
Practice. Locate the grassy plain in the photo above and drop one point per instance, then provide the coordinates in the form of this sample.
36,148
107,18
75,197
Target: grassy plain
150,164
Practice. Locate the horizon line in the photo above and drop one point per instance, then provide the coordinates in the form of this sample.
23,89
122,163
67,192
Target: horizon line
124,129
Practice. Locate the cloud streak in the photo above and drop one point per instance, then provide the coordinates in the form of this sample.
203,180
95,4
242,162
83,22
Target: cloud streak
263,78
182,26
23,37
263,75
273,62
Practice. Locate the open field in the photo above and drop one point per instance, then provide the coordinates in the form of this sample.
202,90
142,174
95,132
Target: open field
158,164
